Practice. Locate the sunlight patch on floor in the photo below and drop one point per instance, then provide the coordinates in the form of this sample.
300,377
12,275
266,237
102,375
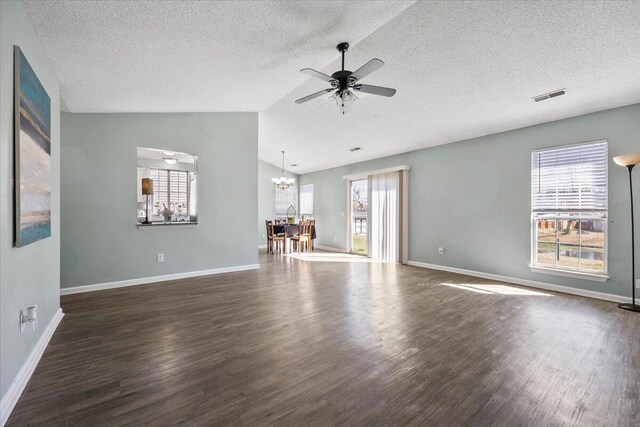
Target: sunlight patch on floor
494,289
332,257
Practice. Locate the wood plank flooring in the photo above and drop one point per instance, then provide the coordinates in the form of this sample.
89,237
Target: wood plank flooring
318,342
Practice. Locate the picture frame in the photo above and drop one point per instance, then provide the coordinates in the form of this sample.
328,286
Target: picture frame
32,155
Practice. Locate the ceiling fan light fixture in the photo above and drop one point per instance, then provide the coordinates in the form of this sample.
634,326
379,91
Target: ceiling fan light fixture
344,99
170,161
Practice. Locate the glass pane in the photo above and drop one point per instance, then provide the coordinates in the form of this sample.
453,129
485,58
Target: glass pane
546,253
569,256
569,231
569,240
359,208
546,230
546,239
592,249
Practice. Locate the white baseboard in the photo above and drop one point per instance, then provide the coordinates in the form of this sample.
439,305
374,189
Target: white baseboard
155,279
525,282
262,246
19,383
329,248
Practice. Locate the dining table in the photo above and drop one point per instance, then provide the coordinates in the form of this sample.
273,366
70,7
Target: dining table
291,229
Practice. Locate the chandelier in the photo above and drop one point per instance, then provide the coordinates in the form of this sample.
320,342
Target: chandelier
283,182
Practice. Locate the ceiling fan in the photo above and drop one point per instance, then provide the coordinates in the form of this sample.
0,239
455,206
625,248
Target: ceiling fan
345,83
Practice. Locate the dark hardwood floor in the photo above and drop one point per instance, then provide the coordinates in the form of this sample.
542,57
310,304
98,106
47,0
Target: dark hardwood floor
336,343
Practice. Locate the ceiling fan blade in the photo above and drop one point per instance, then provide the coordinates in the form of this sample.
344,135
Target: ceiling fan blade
368,68
313,95
375,90
317,74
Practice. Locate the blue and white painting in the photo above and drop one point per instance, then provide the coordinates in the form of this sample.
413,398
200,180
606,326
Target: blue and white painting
33,155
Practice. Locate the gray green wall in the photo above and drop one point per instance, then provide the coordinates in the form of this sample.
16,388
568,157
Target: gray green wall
267,196
31,274
473,198
100,240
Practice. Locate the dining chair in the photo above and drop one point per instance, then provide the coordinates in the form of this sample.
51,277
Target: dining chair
272,238
303,238
312,231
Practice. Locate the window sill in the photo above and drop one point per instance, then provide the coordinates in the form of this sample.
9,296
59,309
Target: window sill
167,225
566,273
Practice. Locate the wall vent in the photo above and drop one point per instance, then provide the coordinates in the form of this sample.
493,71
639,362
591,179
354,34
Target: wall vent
549,95
354,149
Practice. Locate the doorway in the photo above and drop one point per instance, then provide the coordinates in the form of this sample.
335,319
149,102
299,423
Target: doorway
359,217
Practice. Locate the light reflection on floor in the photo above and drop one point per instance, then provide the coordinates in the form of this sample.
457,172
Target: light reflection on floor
332,257
493,289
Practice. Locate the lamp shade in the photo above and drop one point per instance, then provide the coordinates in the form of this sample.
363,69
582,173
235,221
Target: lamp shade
627,159
147,187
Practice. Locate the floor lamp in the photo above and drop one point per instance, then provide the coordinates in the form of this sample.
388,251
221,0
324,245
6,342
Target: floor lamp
147,190
629,161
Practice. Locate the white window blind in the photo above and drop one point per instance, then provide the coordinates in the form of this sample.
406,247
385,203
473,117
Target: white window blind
570,178
285,198
306,199
178,189
160,187
170,188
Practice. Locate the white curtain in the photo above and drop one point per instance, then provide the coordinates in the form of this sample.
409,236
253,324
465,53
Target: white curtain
384,211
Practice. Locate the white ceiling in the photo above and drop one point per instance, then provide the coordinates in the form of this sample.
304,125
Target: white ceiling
184,56
462,69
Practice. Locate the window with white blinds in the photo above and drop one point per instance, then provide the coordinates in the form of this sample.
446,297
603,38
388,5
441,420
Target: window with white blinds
569,208
170,189
570,178
306,199
286,198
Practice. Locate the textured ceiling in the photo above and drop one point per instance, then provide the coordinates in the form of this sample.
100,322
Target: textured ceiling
462,69
177,56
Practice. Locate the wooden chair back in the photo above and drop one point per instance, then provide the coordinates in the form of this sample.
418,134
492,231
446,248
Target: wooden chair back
304,228
269,225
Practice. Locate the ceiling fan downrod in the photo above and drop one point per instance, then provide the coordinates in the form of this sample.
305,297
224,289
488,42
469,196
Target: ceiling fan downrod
342,48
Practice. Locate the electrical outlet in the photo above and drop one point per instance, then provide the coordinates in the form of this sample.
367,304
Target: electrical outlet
160,257
335,239
638,283
29,316
264,236
440,250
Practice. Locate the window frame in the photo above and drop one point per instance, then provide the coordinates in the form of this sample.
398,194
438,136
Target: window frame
579,215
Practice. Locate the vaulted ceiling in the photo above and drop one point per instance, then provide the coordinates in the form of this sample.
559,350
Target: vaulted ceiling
462,69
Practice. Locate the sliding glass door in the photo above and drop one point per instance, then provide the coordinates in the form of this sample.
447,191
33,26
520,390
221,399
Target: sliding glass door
377,220
359,217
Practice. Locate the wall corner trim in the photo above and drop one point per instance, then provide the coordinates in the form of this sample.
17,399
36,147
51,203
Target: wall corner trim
525,282
155,279
19,383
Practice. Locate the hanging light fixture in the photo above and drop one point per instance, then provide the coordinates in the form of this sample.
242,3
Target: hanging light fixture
283,182
344,98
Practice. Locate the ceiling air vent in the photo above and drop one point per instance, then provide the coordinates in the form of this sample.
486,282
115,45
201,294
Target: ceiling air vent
354,149
549,95
293,165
